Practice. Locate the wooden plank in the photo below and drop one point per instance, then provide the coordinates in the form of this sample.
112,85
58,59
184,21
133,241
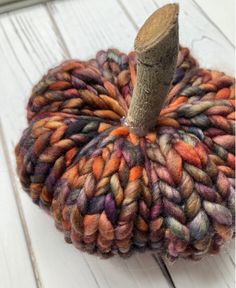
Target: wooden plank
216,11
230,250
88,26
219,269
28,47
138,10
207,44
212,272
9,5
27,50
14,255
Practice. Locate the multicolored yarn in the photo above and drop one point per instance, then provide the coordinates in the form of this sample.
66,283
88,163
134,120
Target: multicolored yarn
111,191
48,147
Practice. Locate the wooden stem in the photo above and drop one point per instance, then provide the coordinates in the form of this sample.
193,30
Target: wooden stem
156,45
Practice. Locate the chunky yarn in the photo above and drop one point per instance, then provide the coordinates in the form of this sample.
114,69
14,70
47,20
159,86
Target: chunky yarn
110,190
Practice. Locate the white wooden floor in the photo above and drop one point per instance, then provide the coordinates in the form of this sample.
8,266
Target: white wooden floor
32,252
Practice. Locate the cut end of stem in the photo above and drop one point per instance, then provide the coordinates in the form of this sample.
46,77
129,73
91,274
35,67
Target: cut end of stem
157,47
156,27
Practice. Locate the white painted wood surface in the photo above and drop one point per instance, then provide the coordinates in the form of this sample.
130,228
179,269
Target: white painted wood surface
14,255
217,13
32,252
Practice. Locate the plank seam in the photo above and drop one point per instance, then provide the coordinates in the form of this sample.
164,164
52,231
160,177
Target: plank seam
128,14
200,9
57,29
155,3
14,52
232,260
165,271
20,209
21,26
22,42
16,5
27,35
91,271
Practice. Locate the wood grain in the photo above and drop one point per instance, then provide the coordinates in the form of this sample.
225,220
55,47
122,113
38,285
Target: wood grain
9,5
88,26
213,272
213,10
24,56
14,257
207,44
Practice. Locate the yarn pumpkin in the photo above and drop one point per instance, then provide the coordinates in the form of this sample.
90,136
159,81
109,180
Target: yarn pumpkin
114,187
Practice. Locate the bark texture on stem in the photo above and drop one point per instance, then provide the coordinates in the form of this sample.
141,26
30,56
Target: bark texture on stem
157,47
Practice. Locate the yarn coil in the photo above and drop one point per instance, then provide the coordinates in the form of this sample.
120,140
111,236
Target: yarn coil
111,191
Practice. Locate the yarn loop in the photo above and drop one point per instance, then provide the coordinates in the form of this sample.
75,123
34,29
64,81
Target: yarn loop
113,191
